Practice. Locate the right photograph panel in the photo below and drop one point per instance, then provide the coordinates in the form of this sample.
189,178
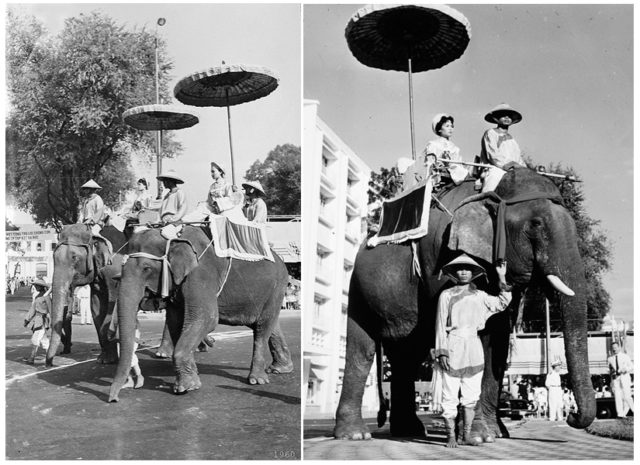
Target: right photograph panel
467,201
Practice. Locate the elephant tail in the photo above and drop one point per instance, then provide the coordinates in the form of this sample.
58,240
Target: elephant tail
382,412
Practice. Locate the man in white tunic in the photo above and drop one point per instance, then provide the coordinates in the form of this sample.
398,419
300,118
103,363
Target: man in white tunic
462,312
92,206
554,385
620,367
499,148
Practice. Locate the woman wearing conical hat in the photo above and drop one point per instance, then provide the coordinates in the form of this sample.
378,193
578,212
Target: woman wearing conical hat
462,312
255,208
499,148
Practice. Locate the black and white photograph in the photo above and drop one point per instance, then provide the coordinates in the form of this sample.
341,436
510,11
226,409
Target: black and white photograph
152,231
468,232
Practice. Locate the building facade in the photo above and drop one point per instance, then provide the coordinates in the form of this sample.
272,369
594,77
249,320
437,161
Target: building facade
29,252
334,202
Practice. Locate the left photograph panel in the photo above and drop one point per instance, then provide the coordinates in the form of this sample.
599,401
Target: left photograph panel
152,231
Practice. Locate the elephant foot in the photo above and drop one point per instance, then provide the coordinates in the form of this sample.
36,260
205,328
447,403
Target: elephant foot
128,383
202,347
411,426
487,431
356,431
258,377
280,368
106,358
66,350
185,384
48,362
161,354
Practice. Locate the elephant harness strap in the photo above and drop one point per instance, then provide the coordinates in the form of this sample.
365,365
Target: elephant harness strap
166,266
500,236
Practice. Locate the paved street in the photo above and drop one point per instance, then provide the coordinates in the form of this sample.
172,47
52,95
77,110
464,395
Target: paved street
62,413
530,440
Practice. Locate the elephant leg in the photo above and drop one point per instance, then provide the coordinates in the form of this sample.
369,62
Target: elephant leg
261,333
487,425
279,352
102,315
66,331
360,354
165,350
403,419
194,327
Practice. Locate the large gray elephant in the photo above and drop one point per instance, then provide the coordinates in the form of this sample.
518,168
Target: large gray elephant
204,289
81,258
389,304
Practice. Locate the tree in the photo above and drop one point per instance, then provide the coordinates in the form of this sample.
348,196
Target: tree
593,244
67,95
279,175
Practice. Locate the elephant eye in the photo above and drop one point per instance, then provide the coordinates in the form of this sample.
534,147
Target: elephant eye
536,222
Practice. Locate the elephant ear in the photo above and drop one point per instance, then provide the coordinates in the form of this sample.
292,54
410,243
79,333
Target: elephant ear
472,230
101,252
182,258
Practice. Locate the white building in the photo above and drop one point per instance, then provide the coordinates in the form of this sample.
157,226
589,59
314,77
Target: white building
334,202
29,252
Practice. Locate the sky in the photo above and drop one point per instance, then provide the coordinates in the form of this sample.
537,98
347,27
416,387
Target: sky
567,68
198,37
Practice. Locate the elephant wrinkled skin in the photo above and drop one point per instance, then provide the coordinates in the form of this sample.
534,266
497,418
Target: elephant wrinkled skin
250,294
389,305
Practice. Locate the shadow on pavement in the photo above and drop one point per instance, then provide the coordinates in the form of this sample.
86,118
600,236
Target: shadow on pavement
271,395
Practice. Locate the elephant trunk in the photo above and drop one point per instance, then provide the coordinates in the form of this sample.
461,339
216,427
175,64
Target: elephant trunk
569,272
127,306
62,278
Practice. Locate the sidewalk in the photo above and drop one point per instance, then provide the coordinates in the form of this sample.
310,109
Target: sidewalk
530,440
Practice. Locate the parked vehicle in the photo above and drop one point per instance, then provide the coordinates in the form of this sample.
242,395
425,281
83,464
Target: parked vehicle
515,409
606,408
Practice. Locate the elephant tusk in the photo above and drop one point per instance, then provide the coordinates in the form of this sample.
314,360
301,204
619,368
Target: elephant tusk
559,286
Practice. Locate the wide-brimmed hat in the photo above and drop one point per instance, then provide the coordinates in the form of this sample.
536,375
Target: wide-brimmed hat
503,108
91,184
254,184
436,119
170,174
220,168
460,261
41,282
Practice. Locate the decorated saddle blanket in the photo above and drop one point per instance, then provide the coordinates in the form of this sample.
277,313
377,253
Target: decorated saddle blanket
242,240
405,216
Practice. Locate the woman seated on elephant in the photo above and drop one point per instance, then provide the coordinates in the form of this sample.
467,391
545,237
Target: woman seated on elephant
222,199
429,164
462,311
255,209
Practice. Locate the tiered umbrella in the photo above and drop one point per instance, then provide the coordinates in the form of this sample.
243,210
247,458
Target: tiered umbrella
410,38
159,117
225,86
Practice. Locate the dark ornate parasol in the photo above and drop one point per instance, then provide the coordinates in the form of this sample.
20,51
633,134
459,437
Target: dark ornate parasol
409,38
225,86
159,117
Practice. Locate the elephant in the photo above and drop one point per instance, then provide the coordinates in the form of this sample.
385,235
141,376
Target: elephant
81,258
203,289
390,305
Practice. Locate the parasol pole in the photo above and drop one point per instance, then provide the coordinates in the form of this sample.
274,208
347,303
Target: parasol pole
413,140
160,22
233,170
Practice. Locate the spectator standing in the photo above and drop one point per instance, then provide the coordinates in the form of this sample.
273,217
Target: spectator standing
83,300
38,318
620,367
554,385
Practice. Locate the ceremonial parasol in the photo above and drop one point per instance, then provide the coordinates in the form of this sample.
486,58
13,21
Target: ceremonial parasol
159,117
409,38
224,86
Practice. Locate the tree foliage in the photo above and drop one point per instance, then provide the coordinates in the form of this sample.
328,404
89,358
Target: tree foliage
67,95
593,244
279,175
